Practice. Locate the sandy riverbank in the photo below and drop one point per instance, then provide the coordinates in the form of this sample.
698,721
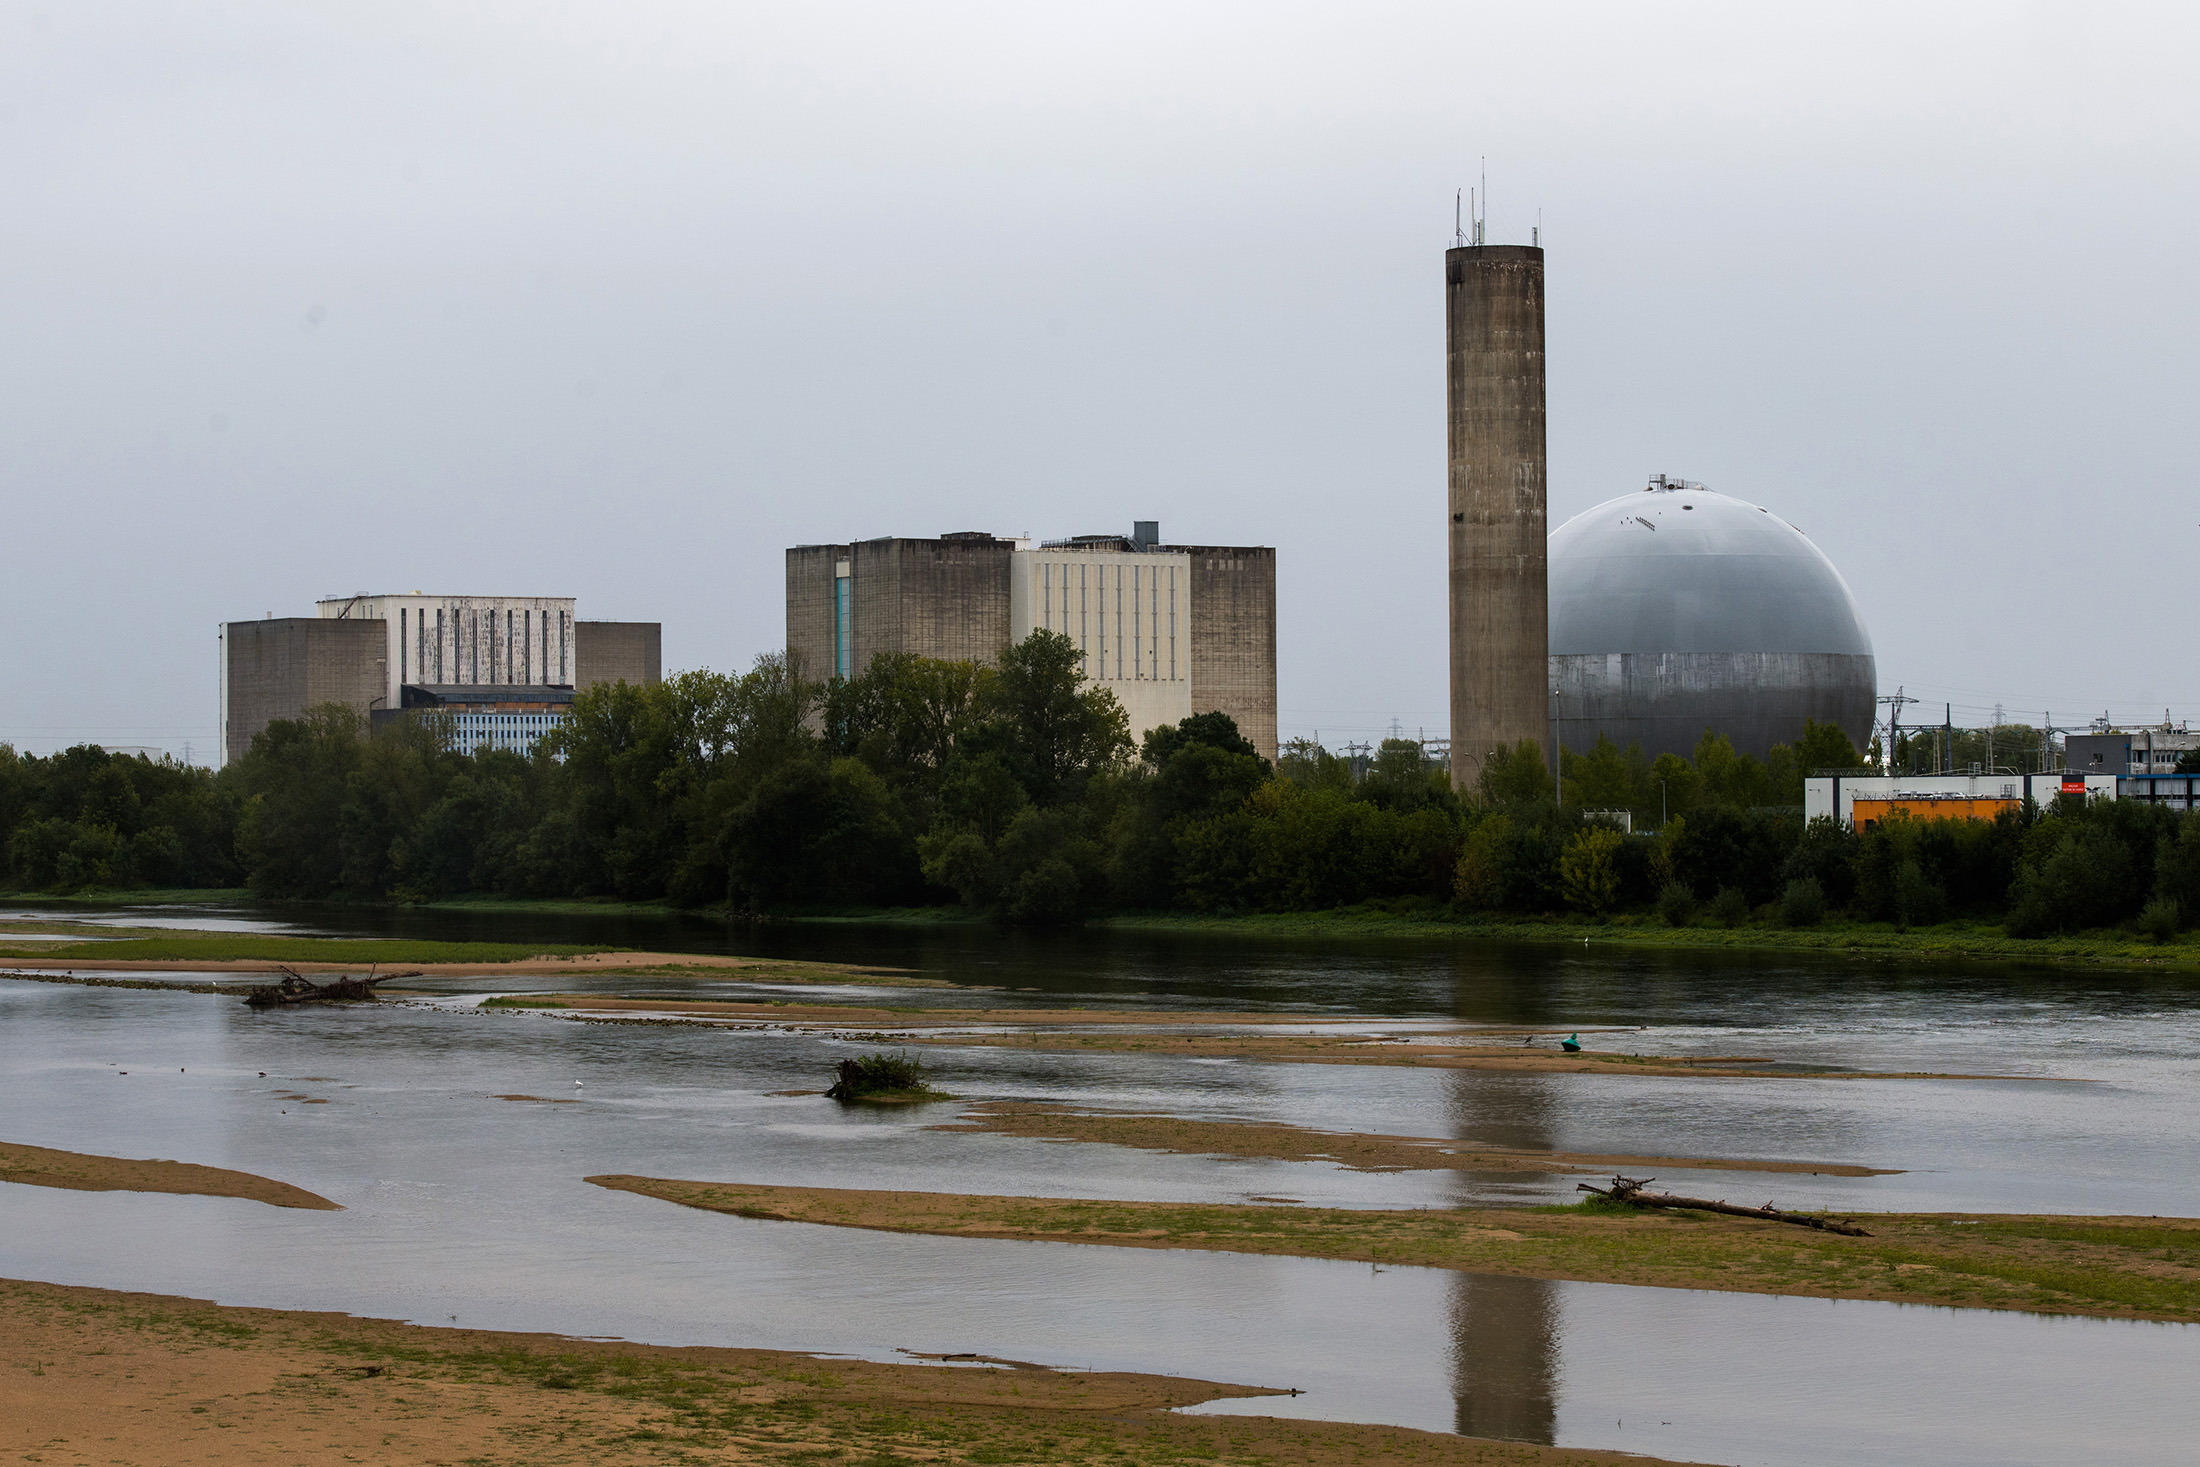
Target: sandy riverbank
40,1166
95,1376
1356,1150
2128,1268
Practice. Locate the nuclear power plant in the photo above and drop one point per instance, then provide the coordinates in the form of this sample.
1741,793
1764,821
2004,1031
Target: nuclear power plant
1647,619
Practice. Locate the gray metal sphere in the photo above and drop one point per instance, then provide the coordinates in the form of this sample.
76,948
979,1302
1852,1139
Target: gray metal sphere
1675,609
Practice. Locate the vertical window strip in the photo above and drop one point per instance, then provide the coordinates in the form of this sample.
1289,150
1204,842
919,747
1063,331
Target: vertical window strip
1138,661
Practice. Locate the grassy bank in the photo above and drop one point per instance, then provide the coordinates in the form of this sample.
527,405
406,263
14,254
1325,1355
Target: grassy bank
2142,1268
1970,939
146,1379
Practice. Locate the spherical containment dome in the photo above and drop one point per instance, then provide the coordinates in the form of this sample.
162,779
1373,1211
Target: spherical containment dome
1676,609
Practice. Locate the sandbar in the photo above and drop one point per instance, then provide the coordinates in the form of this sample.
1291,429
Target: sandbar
1354,1150
2108,1267
41,1166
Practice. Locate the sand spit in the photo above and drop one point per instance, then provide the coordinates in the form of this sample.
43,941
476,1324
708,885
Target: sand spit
1347,1040
91,1375
1356,1151
2108,1267
40,1166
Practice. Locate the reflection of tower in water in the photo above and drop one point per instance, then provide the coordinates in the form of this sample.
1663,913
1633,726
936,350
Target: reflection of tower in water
1504,1331
1504,1356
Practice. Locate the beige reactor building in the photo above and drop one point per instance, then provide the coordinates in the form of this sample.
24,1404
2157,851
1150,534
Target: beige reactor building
1171,630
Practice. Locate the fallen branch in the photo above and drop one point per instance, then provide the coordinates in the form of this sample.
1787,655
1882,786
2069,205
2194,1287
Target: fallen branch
296,988
1629,1190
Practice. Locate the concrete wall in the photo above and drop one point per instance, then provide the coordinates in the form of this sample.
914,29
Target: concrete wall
945,598
810,574
1234,637
617,651
1665,700
1500,610
281,667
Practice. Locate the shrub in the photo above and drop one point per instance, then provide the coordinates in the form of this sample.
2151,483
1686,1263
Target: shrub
870,1076
1676,904
1730,908
2159,919
1803,904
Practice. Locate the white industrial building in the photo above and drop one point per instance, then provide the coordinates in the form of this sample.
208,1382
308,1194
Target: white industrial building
1929,796
467,641
1125,610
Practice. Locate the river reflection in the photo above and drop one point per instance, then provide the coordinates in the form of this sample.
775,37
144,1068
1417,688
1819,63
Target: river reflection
1504,1357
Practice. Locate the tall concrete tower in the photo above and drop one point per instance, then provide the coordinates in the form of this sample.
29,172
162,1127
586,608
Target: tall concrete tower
1500,608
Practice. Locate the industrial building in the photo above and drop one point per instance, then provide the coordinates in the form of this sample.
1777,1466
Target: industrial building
1171,630
2105,749
1676,609
1498,500
503,669
1863,800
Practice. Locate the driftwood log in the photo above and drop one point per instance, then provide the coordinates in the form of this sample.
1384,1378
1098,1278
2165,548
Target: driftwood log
297,988
1629,1190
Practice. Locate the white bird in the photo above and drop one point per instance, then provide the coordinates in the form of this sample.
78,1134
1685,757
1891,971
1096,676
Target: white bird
576,1084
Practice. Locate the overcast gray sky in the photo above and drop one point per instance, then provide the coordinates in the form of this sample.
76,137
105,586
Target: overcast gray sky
619,300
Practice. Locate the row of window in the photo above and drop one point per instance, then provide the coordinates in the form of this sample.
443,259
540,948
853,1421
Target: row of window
516,732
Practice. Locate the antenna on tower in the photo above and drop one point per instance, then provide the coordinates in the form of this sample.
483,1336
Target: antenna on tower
1482,220
1458,225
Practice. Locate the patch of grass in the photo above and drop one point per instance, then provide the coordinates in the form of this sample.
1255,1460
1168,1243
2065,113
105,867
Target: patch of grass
522,1003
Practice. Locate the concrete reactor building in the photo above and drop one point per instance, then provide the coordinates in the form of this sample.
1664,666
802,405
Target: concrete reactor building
1500,628
1171,630
1675,609
503,669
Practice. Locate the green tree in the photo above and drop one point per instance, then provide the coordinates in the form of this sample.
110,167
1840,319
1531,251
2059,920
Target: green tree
1518,778
1588,869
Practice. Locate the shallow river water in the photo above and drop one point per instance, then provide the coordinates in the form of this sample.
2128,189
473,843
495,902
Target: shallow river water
463,1206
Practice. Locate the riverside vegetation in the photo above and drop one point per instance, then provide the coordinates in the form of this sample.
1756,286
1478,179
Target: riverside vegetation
1015,791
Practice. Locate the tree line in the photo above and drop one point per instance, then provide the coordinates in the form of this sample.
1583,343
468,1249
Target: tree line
1016,790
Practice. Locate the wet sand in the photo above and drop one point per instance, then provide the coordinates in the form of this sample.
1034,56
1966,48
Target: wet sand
1356,1151
96,1376
2118,1268
40,1166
